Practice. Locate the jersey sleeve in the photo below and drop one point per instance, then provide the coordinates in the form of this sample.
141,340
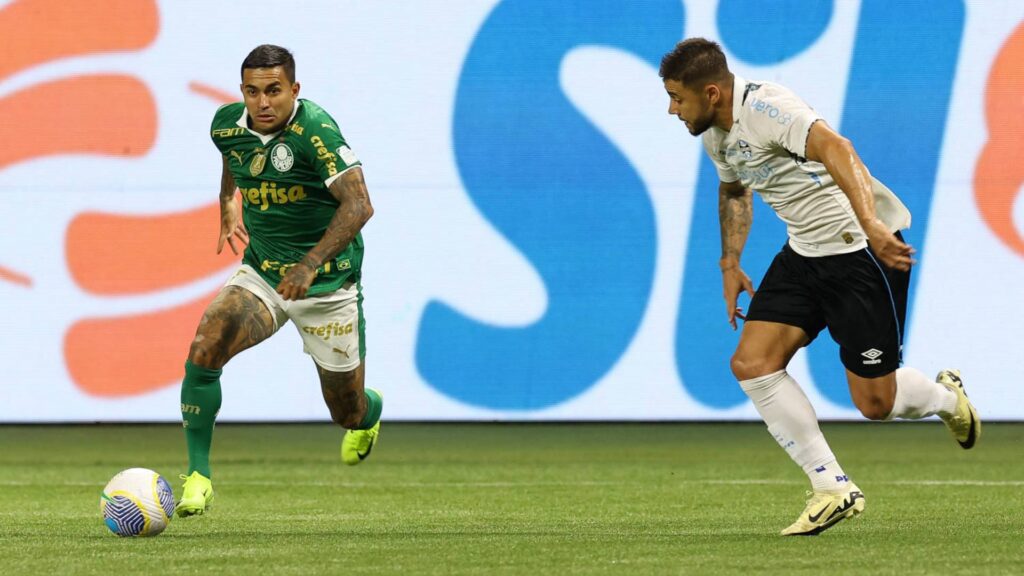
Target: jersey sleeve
717,155
331,155
223,125
782,118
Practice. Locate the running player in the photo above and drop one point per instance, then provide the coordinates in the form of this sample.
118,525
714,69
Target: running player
844,267
304,202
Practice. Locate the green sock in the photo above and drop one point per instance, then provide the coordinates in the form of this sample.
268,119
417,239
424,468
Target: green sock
374,405
200,402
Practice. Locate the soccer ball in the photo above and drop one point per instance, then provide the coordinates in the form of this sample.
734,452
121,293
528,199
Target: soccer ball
137,502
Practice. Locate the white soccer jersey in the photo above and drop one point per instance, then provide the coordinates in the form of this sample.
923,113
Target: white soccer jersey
766,151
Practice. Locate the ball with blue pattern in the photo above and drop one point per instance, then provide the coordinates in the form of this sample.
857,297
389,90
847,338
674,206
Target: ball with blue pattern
137,502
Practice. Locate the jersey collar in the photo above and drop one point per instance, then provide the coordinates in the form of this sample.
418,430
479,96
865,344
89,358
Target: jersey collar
264,138
738,86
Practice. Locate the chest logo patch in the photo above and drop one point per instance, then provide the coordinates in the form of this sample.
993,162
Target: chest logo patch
745,150
259,160
281,157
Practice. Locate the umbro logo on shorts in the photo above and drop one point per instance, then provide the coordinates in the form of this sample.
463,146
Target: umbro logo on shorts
872,356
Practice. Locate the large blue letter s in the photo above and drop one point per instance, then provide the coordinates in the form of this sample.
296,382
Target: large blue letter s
558,189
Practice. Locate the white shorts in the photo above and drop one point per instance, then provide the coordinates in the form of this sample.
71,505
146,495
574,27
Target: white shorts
331,325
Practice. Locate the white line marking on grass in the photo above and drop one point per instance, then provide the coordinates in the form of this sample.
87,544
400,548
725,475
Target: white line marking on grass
427,484
325,483
377,485
955,482
890,482
739,482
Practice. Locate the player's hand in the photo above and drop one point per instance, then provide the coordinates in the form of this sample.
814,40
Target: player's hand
888,248
296,282
231,227
734,281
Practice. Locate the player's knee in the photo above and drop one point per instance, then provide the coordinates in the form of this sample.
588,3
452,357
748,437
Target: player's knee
874,407
745,367
206,352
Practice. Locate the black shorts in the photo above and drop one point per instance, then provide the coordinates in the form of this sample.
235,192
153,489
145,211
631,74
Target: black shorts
861,301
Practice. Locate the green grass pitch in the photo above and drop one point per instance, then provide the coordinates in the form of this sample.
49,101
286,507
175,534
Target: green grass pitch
518,499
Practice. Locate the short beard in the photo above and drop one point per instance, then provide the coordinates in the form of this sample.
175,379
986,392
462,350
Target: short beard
701,125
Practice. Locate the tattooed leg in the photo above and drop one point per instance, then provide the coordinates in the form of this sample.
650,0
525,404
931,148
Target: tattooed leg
343,393
234,321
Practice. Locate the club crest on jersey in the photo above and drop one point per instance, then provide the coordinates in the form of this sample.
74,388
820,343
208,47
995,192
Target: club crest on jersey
259,161
745,150
281,157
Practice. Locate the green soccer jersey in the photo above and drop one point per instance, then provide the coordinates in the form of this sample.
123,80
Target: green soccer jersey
286,204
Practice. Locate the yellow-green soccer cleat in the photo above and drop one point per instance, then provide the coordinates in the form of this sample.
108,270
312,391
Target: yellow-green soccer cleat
196,495
357,444
963,422
825,509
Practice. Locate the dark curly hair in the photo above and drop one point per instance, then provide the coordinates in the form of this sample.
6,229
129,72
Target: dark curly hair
695,61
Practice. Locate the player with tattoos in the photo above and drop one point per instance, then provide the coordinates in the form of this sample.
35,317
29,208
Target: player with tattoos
304,202
844,267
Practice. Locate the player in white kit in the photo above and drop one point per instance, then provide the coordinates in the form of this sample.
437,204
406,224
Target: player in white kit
845,266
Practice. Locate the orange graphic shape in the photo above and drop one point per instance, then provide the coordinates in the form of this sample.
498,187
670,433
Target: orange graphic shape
213,93
115,254
132,355
113,115
999,174
37,31
13,277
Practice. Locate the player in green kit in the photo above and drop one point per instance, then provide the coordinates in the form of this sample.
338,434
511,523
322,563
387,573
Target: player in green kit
304,202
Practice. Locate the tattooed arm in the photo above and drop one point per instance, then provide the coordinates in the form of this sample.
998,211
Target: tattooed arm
735,213
231,226
353,212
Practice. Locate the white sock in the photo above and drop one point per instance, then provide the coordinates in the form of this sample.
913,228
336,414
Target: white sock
918,396
794,425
